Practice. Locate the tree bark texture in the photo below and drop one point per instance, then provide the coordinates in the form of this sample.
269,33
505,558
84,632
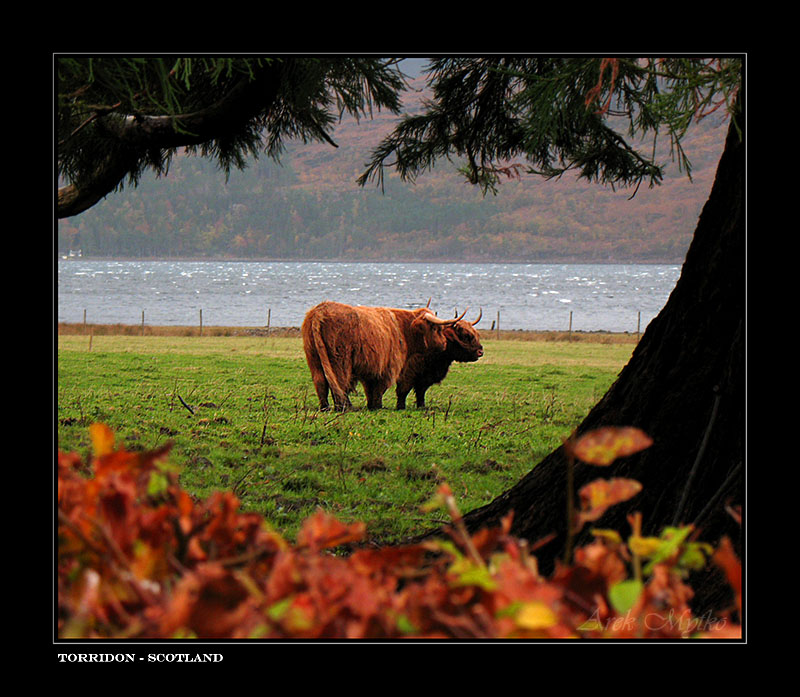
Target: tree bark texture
691,358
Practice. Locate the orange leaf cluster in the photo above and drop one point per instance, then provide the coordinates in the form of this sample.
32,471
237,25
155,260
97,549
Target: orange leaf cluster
594,93
604,445
139,558
598,496
601,447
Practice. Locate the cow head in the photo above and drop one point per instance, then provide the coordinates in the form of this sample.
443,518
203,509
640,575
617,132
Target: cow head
463,340
459,339
428,331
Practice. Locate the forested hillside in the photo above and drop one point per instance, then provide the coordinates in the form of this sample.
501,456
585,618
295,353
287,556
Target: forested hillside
310,207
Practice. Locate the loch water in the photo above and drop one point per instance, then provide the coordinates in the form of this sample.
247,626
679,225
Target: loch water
601,297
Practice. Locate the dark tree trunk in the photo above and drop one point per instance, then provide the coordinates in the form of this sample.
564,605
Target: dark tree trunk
690,358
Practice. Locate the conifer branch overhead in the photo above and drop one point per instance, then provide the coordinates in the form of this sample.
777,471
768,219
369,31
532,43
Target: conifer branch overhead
118,117
590,115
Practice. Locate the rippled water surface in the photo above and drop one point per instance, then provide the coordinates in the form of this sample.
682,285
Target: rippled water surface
527,296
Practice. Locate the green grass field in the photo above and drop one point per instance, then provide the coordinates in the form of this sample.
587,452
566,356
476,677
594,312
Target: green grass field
256,428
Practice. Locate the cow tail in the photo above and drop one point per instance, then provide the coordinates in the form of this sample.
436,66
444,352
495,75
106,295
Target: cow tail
327,368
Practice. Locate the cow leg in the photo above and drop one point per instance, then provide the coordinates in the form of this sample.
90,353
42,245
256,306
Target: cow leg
402,393
374,391
341,403
419,391
321,386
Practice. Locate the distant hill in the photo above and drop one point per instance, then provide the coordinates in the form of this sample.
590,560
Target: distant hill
309,207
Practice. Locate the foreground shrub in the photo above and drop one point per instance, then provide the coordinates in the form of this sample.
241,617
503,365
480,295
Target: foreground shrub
138,557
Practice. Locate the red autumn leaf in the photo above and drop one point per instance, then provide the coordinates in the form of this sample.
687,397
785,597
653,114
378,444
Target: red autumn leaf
322,531
726,559
210,602
136,566
604,445
599,495
118,506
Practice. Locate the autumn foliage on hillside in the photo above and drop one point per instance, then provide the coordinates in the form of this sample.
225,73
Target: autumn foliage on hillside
309,207
138,557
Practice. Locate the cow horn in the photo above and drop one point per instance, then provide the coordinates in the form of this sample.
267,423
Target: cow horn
429,302
433,318
480,314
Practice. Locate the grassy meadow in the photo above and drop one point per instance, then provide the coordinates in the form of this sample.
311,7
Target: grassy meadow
243,415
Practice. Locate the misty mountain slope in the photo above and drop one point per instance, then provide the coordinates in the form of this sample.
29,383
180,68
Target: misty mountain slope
309,206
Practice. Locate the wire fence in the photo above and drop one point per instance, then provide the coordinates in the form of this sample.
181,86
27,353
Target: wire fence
494,330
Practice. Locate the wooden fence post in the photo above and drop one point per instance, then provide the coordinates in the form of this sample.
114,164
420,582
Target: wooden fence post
201,321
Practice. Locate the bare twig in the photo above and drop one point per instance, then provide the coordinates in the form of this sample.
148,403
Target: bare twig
186,405
679,511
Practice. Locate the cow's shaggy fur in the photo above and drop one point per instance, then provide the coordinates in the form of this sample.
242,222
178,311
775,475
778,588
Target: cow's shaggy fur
379,347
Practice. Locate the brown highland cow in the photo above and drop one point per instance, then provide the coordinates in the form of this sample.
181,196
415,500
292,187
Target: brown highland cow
382,346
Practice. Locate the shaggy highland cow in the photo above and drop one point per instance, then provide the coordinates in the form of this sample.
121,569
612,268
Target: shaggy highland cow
382,346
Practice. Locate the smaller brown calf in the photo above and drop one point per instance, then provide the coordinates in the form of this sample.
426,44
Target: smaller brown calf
462,345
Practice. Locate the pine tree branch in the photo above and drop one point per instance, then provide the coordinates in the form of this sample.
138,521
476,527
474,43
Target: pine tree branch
134,135
132,118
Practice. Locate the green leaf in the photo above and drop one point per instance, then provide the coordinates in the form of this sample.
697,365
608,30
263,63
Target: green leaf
277,611
406,626
694,556
157,484
467,573
623,595
672,538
